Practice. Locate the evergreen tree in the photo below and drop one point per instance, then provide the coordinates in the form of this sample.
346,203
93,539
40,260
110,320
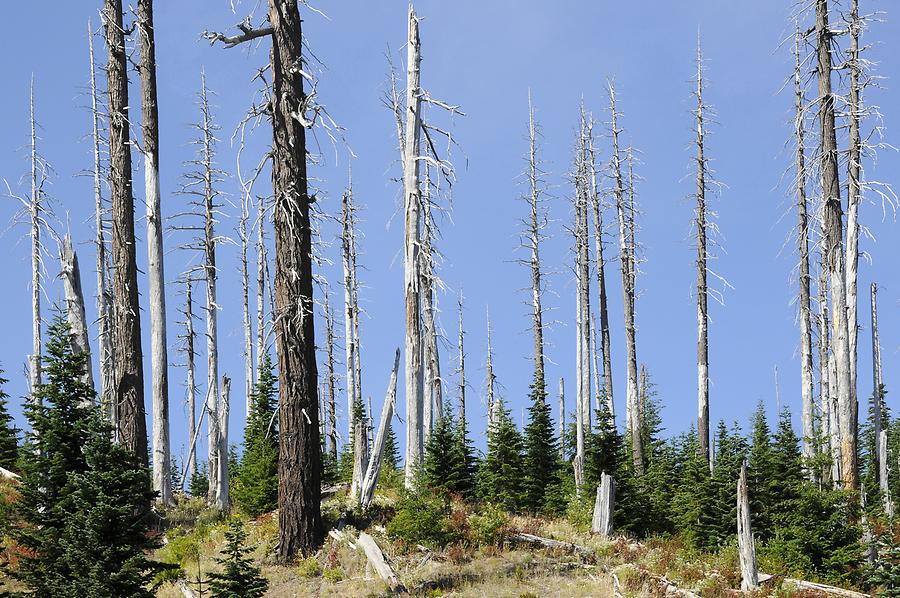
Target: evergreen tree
389,476
501,473
174,474
464,461
438,469
198,485
602,449
692,504
84,505
760,474
9,434
731,450
255,489
787,469
239,578
541,456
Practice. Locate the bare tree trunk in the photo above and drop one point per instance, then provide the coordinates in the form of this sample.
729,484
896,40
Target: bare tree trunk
627,261
159,358
535,223
854,186
261,268
103,309
223,497
189,335
595,366
582,302
433,403
360,452
299,460
243,233
462,366
881,451
330,379
700,223
824,351
411,191
128,354
601,286
835,424
602,521
834,255
349,315
746,543
489,371
806,358
36,210
71,276
562,418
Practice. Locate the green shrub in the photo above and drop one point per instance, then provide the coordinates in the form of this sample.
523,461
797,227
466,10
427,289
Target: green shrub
490,526
421,519
309,567
333,574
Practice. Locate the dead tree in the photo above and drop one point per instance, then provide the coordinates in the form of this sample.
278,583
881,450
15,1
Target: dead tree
854,195
562,418
190,380
881,449
244,237
159,358
746,543
129,382
433,402
625,217
261,270
604,504
824,350
800,180
350,313
71,276
461,369
104,349
834,253
367,492
489,376
330,378
596,204
36,214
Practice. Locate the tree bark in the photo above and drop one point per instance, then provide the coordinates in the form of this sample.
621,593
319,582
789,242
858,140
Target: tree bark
330,379
349,316
806,358
626,259
299,461
387,412
71,276
433,402
223,496
36,209
191,383
261,268
854,193
159,358
129,382
700,223
746,543
834,254
413,361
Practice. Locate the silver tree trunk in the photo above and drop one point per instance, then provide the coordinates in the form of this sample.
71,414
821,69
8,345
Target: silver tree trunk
881,449
189,335
349,315
36,210
387,412
604,504
223,498
854,193
746,542
562,417
71,276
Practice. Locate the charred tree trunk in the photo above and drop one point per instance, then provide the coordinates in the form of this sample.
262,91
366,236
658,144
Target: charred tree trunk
349,314
834,254
159,358
627,261
299,458
129,382
71,276
806,358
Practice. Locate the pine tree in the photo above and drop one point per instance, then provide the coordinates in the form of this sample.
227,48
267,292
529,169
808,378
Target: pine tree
500,477
465,463
84,503
255,489
9,434
240,578
541,455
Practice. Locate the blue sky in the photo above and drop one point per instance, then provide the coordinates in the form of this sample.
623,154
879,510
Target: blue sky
484,56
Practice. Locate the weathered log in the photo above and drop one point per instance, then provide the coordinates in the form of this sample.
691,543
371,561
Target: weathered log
602,522
746,545
376,559
818,587
367,492
550,543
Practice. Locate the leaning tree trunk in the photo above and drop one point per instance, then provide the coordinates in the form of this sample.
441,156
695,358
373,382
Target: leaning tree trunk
129,383
103,309
299,456
854,187
806,358
626,259
159,359
71,276
35,209
413,363
746,543
367,493
881,451
834,254
700,223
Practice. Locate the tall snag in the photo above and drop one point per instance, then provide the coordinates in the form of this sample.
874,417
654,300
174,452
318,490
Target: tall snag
129,382
71,275
625,217
159,359
330,379
433,401
35,212
878,411
351,311
846,415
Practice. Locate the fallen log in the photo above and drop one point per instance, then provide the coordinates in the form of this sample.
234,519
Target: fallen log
330,491
378,562
666,586
549,543
818,587
8,474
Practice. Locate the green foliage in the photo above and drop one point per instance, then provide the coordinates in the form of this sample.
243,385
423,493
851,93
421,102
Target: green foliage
448,464
541,483
731,450
489,526
309,567
885,575
333,574
760,474
85,501
692,505
421,519
239,578
390,475
9,434
500,478
255,489
198,485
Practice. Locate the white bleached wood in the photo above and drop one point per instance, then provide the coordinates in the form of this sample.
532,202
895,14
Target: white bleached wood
223,498
349,314
562,417
433,403
602,521
746,542
373,470
854,196
36,210
191,383
376,559
71,276
489,369
881,449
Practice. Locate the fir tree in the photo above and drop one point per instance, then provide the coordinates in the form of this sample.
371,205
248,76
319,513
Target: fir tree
239,578
501,473
760,474
438,469
464,461
9,434
198,485
787,468
255,489
389,476
541,456
694,496
731,450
